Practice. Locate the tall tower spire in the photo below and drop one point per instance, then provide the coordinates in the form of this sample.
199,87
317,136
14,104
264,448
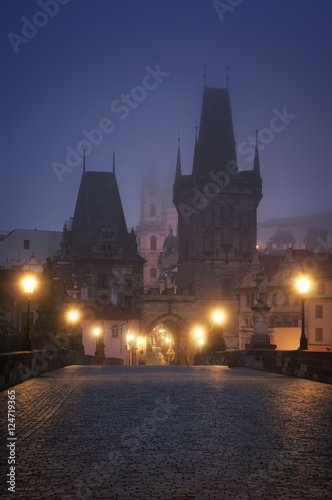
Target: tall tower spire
178,172
84,162
113,162
195,162
256,159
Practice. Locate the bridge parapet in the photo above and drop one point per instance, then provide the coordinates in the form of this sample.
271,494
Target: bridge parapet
311,365
17,367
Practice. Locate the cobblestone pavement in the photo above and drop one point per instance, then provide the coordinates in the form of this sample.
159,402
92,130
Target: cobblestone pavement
167,432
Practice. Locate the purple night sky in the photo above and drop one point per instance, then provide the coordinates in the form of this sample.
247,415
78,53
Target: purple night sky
70,65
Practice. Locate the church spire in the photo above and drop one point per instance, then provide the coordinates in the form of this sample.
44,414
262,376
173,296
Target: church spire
256,159
195,151
113,162
178,172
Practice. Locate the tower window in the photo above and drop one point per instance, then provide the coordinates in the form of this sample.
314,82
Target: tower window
115,331
101,281
153,243
128,302
129,283
152,209
26,244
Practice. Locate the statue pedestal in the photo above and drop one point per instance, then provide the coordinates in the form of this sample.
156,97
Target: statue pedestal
260,339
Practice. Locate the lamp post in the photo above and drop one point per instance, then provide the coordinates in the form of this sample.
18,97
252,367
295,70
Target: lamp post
29,284
73,316
201,343
303,286
130,338
199,334
96,332
218,318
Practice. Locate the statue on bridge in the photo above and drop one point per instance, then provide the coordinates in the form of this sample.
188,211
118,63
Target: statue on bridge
261,294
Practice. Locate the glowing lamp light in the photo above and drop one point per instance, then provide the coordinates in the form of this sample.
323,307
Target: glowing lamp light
73,316
303,285
201,341
218,316
29,285
97,332
198,332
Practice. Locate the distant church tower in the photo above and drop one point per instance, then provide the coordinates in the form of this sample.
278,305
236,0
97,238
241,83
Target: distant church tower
157,217
216,207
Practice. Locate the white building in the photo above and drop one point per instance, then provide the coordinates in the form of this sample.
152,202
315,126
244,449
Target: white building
17,247
117,334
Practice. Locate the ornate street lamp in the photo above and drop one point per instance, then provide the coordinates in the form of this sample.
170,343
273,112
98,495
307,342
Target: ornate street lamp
219,318
201,343
73,317
303,286
29,285
130,348
200,334
97,333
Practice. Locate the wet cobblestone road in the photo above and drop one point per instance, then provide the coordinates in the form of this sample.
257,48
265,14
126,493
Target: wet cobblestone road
160,432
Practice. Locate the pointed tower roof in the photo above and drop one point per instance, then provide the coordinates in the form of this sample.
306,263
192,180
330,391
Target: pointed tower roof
195,151
98,207
257,170
178,172
216,144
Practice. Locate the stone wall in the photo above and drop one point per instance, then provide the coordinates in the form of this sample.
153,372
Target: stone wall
312,365
225,358
17,367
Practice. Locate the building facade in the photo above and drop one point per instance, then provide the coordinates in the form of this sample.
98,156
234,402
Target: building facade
17,247
158,217
283,271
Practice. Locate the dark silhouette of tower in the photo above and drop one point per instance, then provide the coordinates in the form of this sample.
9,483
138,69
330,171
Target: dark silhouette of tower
217,207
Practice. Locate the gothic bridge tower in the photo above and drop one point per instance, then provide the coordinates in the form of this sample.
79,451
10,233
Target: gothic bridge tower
217,205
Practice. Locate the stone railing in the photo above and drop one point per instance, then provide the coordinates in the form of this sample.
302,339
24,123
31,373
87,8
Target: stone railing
17,367
312,365
226,358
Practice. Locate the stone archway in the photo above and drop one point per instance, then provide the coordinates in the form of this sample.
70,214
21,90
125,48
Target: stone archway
175,330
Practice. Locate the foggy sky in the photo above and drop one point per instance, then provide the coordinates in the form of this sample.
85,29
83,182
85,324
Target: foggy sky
134,70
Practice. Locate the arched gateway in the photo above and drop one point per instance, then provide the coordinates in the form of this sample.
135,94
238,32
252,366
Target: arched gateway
167,340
